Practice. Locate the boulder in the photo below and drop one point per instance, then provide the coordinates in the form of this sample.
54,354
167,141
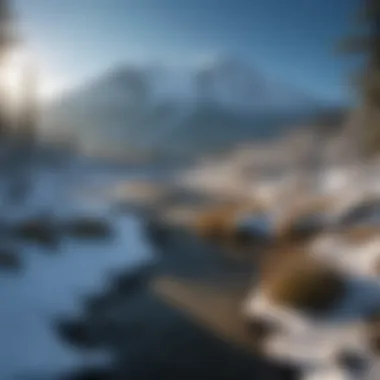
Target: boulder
10,260
305,285
88,228
39,230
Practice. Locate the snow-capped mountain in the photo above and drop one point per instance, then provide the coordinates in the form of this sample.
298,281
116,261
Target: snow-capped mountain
181,109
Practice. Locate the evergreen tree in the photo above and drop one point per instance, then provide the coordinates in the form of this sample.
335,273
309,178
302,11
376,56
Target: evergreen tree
366,121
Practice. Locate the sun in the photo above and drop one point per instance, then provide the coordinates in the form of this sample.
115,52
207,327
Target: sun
18,70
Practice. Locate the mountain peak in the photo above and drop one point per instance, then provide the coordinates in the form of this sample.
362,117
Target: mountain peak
153,104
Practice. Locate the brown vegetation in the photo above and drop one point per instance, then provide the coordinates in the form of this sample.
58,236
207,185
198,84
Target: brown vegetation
306,285
220,224
217,222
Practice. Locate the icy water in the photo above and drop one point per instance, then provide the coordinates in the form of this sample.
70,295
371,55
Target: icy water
54,281
119,333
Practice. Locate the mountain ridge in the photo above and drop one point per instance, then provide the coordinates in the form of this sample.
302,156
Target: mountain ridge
158,107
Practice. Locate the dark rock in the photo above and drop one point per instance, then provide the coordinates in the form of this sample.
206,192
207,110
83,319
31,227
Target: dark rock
39,230
303,229
91,374
157,232
102,303
352,362
88,228
77,333
307,286
374,341
362,212
131,282
247,237
10,260
259,330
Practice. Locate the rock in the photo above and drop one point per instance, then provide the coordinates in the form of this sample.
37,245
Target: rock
92,374
374,343
156,232
254,230
367,211
77,333
302,229
88,228
372,320
352,362
259,329
100,304
131,282
10,260
306,285
39,230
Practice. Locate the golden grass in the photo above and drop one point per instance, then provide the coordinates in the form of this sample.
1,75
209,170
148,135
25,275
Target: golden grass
216,223
219,223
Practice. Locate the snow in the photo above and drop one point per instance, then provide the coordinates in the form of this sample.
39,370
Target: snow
329,373
53,285
313,343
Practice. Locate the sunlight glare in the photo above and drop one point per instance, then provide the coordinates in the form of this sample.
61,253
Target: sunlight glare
13,78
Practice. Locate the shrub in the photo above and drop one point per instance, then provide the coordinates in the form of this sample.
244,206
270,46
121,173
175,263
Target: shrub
216,223
222,223
306,285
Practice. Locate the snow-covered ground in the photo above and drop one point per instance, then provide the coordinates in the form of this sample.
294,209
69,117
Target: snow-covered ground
313,343
54,284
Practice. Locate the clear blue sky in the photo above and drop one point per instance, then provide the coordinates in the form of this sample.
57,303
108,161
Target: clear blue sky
288,39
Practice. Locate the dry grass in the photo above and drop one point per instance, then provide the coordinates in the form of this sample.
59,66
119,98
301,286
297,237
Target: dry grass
219,222
304,284
277,256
